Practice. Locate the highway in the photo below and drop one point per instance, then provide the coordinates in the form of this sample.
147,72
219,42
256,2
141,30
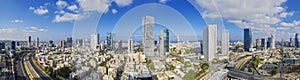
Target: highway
34,72
243,62
20,70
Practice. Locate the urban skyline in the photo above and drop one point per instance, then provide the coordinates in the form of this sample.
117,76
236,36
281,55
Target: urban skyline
150,40
282,22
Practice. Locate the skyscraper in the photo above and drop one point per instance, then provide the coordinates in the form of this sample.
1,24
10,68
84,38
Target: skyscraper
13,47
210,41
272,42
296,41
94,41
148,35
29,41
69,42
113,41
225,42
247,39
164,42
263,43
37,42
269,42
130,45
258,44
108,41
291,42
120,46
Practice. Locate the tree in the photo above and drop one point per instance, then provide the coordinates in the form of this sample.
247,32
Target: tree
205,66
64,72
50,69
172,67
255,62
103,63
274,71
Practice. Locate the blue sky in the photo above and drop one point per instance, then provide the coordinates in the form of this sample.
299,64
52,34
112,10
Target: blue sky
55,19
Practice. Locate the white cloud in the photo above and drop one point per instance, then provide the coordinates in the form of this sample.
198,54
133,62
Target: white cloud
114,11
287,24
122,3
13,33
31,8
39,10
282,28
297,29
285,14
72,7
163,1
34,29
8,30
61,4
95,5
296,22
16,21
67,17
263,16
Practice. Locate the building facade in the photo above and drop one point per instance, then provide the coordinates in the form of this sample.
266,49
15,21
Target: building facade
94,41
247,39
164,42
225,42
148,36
210,41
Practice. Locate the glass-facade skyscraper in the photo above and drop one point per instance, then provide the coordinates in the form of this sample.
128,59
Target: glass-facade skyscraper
13,47
247,39
29,41
164,42
148,35
263,43
296,41
108,41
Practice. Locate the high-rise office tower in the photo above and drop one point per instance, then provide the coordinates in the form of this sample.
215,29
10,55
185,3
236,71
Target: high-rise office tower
51,43
113,41
63,44
37,42
108,41
210,41
94,41
120,46
247,39
148,35
269,42
291,42
29,41
164,42
282,42
130,45
258,44
13,47
69,42
201,46
296,41
225,42
2,46
263,43
273,42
